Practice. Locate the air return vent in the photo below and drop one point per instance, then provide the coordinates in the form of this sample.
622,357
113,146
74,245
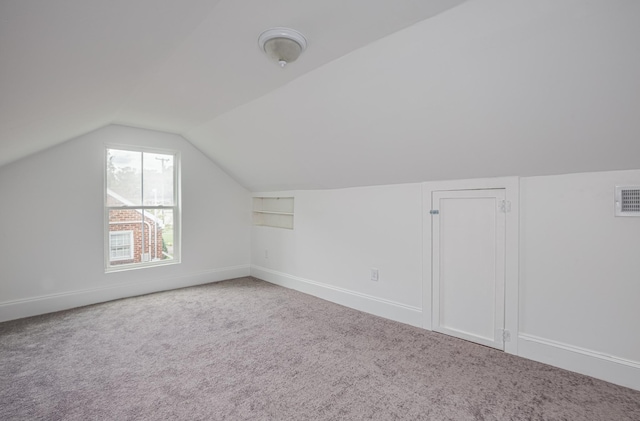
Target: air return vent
627,200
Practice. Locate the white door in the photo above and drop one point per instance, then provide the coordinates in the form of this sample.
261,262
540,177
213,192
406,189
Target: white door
469,264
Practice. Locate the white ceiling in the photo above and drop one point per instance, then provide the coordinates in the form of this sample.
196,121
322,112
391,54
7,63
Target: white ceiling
486,88
71,66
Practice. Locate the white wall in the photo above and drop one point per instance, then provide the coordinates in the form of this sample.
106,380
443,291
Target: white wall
580,274
338,236
579,265
51,221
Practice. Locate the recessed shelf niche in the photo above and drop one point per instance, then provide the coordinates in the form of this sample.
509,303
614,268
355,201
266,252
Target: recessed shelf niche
274,212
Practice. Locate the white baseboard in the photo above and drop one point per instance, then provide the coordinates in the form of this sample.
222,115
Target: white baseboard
17,309
363,302
584,361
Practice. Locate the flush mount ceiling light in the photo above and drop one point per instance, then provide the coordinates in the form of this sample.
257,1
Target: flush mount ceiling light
283,45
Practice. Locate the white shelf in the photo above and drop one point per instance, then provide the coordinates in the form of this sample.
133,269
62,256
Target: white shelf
276,212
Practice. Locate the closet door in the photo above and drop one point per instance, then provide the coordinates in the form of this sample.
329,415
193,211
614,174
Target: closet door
469,264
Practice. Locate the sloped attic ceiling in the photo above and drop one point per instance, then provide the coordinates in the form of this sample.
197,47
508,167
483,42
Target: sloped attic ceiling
489,88
71,66
486,88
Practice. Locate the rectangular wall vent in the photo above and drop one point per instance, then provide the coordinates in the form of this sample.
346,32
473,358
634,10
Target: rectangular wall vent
627,200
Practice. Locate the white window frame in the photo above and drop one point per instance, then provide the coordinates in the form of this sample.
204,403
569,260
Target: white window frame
176,208
131,245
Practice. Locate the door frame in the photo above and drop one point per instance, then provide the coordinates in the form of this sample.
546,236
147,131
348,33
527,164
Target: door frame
497,310
511,185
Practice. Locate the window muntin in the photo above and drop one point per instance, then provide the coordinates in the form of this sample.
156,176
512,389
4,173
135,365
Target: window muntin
141,197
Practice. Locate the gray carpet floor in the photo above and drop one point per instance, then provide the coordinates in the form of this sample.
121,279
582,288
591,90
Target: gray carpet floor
248,350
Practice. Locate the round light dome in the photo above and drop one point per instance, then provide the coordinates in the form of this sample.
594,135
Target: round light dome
283,45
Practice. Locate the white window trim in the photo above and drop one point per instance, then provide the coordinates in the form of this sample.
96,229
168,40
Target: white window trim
176,208
131,246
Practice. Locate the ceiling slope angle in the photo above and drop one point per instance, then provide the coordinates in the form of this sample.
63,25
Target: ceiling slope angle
221,66
490,88
69,65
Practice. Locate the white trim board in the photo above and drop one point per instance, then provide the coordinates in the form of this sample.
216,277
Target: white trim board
369,304
580,360
33,306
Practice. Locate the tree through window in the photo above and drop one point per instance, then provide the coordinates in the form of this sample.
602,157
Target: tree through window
142,213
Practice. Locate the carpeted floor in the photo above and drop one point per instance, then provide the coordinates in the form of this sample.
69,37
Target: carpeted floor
247,350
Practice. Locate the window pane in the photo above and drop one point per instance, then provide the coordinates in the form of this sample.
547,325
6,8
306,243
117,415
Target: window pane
151,238
162,235
158,179
124,178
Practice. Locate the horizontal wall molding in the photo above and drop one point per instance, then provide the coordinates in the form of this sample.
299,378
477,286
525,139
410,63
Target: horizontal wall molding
581,360
369,304
33,306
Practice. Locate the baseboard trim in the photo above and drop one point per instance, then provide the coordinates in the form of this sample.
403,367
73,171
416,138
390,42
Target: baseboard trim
369,304
34,306
613,369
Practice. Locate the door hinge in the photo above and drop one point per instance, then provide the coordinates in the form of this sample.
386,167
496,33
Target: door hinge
504,206
506,336
434,212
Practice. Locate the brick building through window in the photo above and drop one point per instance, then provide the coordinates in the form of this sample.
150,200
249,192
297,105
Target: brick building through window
134,235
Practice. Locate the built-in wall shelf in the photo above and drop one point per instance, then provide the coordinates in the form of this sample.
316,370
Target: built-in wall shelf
274,212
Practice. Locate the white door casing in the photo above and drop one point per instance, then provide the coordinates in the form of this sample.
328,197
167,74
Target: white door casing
468,264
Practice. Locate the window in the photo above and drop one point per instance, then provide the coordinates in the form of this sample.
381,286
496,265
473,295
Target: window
142,219
120,245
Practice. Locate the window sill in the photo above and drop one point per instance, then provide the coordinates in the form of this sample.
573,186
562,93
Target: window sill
135,266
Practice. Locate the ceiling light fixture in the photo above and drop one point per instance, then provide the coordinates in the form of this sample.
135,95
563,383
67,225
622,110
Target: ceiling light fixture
283,45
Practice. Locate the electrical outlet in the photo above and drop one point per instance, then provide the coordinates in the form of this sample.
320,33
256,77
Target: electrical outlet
374,274
266,254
